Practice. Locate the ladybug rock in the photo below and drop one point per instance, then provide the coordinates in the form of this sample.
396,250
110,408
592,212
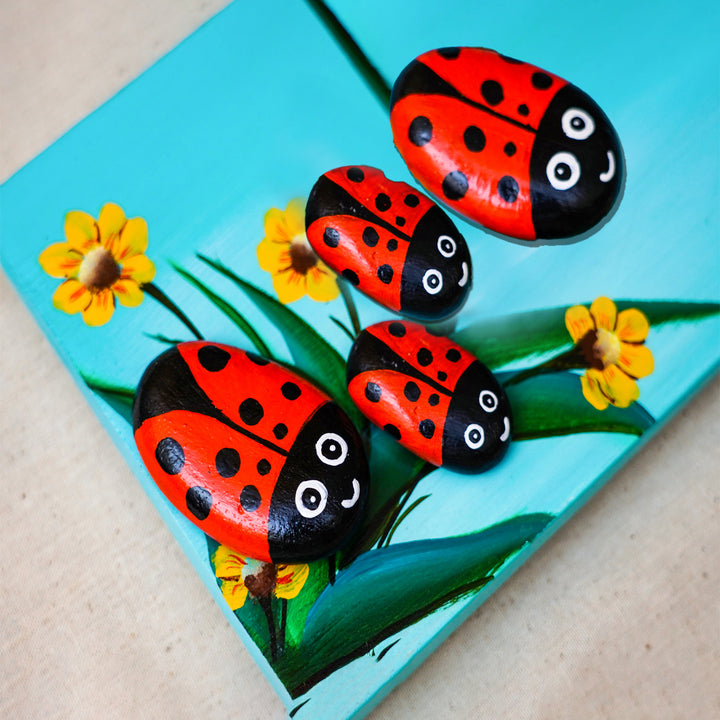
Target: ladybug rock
433,396
390,241
255,456
512,147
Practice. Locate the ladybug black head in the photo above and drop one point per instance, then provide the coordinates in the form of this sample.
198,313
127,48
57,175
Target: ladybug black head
438,272
477,429
321,491
576,168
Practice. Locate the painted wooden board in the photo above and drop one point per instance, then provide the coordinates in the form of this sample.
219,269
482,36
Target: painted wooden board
204,168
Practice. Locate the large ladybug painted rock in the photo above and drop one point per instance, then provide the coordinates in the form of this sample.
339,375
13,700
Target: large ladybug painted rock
390,241
431,395
255,456
511,147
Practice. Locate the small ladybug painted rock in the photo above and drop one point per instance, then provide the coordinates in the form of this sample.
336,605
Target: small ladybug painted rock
390,241
511,147
431,395
255,456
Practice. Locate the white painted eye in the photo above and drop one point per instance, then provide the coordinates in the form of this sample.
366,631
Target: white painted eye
488,401
577,124
331,449
563,170
311,498
474,436
446,246
432,281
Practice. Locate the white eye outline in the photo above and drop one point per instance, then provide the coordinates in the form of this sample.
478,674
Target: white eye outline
572,162
316,485
572,132
321,455
432,273
474,444
494,401
444,253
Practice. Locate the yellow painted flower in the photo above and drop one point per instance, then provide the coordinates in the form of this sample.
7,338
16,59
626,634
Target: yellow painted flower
286,254
101,260
612,344
240,576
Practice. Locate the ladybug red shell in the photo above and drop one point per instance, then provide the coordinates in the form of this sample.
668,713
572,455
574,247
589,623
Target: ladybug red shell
255,456
390,241
506,144
431,395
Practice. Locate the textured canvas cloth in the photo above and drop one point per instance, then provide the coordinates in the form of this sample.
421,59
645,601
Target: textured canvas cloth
617,616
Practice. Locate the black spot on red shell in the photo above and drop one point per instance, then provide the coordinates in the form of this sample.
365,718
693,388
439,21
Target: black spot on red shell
427,428
411,200
198,501
370,236
449,53
541,80
474,138
399,221
290,390
250,498
351,276
170,455
251,411
263,466
280,431
492,92
392,430
455,185
227,462
373,392
385,274
412,391
355,174
331,237
392,244
510,149
442,375
257,359
424,357
213,358
434,399
523,109
383,202
453,355
508,188
420,131
397,329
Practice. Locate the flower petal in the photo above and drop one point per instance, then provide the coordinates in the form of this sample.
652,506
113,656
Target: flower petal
276,226
322,284
273,256
289,286
295,216
138,268
133,239
590,382
81,231
60,260
72,297
290,580
636,360
632,326
128,293
604,313
617,387
234,592
111,220
100,309
578,322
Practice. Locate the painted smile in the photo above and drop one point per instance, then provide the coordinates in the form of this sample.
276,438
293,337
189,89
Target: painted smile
506,433
463,280
610,172
355,497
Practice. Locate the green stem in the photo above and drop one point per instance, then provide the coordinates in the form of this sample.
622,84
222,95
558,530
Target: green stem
352,50
572,359
397,523
267,609
157,294
350,305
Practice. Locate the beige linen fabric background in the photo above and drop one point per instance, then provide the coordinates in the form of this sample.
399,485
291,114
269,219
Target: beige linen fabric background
618,616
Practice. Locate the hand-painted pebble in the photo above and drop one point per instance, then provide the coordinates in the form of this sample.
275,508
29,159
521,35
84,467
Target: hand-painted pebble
431,395
506,144
255,456
390,241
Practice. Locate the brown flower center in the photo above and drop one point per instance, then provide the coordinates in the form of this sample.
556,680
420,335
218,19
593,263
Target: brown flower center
600,348
302,256
262,583
98,270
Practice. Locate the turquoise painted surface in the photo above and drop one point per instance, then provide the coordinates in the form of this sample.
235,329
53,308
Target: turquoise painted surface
250,110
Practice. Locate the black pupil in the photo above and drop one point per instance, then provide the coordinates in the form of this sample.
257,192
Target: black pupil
577,122
331,449
489,403
474,435
433,281
562,171
311,499
446,246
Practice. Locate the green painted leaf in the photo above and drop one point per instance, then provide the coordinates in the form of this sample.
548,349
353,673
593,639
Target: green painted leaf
387,590
500,341
553,404
313,355
117,397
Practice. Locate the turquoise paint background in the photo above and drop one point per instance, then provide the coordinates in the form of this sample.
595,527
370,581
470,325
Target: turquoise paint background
250,110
